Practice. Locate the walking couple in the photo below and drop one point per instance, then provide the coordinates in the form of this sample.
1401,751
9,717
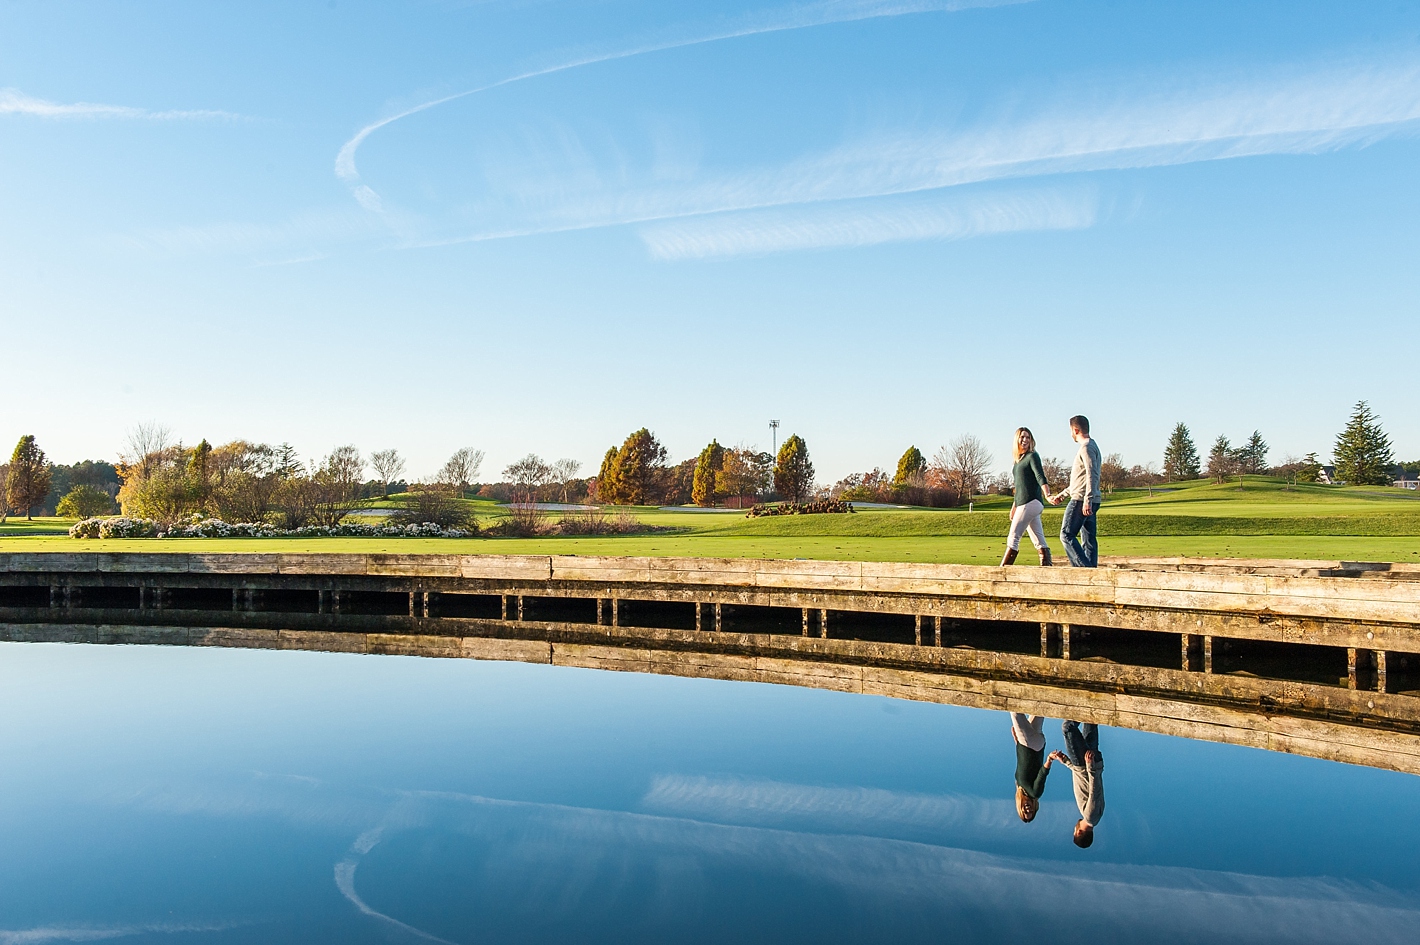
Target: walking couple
1082,756
1032,492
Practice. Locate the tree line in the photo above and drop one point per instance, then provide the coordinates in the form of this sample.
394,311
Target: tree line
1361,452
241,481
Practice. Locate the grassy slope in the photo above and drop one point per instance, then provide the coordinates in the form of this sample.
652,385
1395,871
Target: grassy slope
1265,519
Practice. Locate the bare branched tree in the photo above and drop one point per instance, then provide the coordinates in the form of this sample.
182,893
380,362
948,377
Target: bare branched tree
1112,473
146,449
388,466
963,465
526,475
563,472
337,483
461,469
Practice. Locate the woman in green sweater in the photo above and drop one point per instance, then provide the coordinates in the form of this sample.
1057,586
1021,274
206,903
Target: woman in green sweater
1031,490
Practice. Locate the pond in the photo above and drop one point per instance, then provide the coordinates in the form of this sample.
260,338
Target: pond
182,794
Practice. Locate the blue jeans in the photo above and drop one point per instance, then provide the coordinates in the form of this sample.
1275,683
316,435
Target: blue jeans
1076,743
1084,554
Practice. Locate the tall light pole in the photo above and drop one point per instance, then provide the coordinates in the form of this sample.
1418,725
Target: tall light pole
774,437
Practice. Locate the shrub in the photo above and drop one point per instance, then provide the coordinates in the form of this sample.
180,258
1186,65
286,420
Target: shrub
85,501
198,527
433,503
597,522
822,507
117,527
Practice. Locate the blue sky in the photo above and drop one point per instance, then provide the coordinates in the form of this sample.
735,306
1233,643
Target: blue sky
535,225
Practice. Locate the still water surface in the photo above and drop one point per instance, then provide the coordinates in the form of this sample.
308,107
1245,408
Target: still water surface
182,795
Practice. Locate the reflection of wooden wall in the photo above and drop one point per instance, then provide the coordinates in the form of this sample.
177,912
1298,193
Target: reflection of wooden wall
1370,614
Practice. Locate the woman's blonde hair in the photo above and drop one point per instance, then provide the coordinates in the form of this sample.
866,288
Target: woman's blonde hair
1018,449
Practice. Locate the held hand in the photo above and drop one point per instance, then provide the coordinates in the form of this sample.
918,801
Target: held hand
1057,756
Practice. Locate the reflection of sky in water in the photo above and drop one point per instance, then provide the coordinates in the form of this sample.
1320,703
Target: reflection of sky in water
243,796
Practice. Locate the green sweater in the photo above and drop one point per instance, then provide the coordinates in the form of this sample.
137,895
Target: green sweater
1030,479
1031,771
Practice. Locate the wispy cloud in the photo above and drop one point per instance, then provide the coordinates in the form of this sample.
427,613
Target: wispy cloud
1295,112
1132,123
15,102
796,17
977,894
300,237
56,933
863,223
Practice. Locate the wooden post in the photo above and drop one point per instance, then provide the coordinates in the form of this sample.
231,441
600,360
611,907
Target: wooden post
916,629
823,624
68,597
1207,653
413,612
520,608
719,618
56,596
335,602
1192,652
143,597
615,612
601,613
1045,641
806,621
699,616
1359,668
503,607
937,631
1068,637
424,604
1381,681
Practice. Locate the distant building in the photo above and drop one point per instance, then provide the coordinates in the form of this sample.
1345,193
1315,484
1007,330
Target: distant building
1327,476
1406,480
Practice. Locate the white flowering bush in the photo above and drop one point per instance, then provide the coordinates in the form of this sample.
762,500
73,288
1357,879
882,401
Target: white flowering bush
199,527
216,528
87,528
117,527
362,530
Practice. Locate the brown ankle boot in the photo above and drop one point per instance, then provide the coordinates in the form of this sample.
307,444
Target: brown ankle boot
1044,556
1009,557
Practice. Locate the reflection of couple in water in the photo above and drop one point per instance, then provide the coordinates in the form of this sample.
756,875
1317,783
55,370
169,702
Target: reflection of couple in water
1082,756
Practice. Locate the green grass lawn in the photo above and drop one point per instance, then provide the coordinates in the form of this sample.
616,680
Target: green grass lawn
1264,519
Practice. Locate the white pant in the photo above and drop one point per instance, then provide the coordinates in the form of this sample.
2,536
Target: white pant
1028,730
1026,518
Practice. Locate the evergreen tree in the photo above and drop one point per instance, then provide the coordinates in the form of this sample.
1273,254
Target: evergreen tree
1362,451
793,473
29,477
637,469
707,470
1222,460
1181,456
1252,455
606,478
199,470
910,467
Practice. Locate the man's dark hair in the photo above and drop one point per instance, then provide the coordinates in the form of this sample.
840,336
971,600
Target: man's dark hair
1081,423
1083,838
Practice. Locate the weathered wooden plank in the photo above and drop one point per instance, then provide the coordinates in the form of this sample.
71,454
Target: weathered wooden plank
253,563
415,565
323,564
507,567
515,651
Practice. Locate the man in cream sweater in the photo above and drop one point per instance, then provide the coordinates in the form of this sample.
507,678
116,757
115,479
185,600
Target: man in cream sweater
1086,764
1084,492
